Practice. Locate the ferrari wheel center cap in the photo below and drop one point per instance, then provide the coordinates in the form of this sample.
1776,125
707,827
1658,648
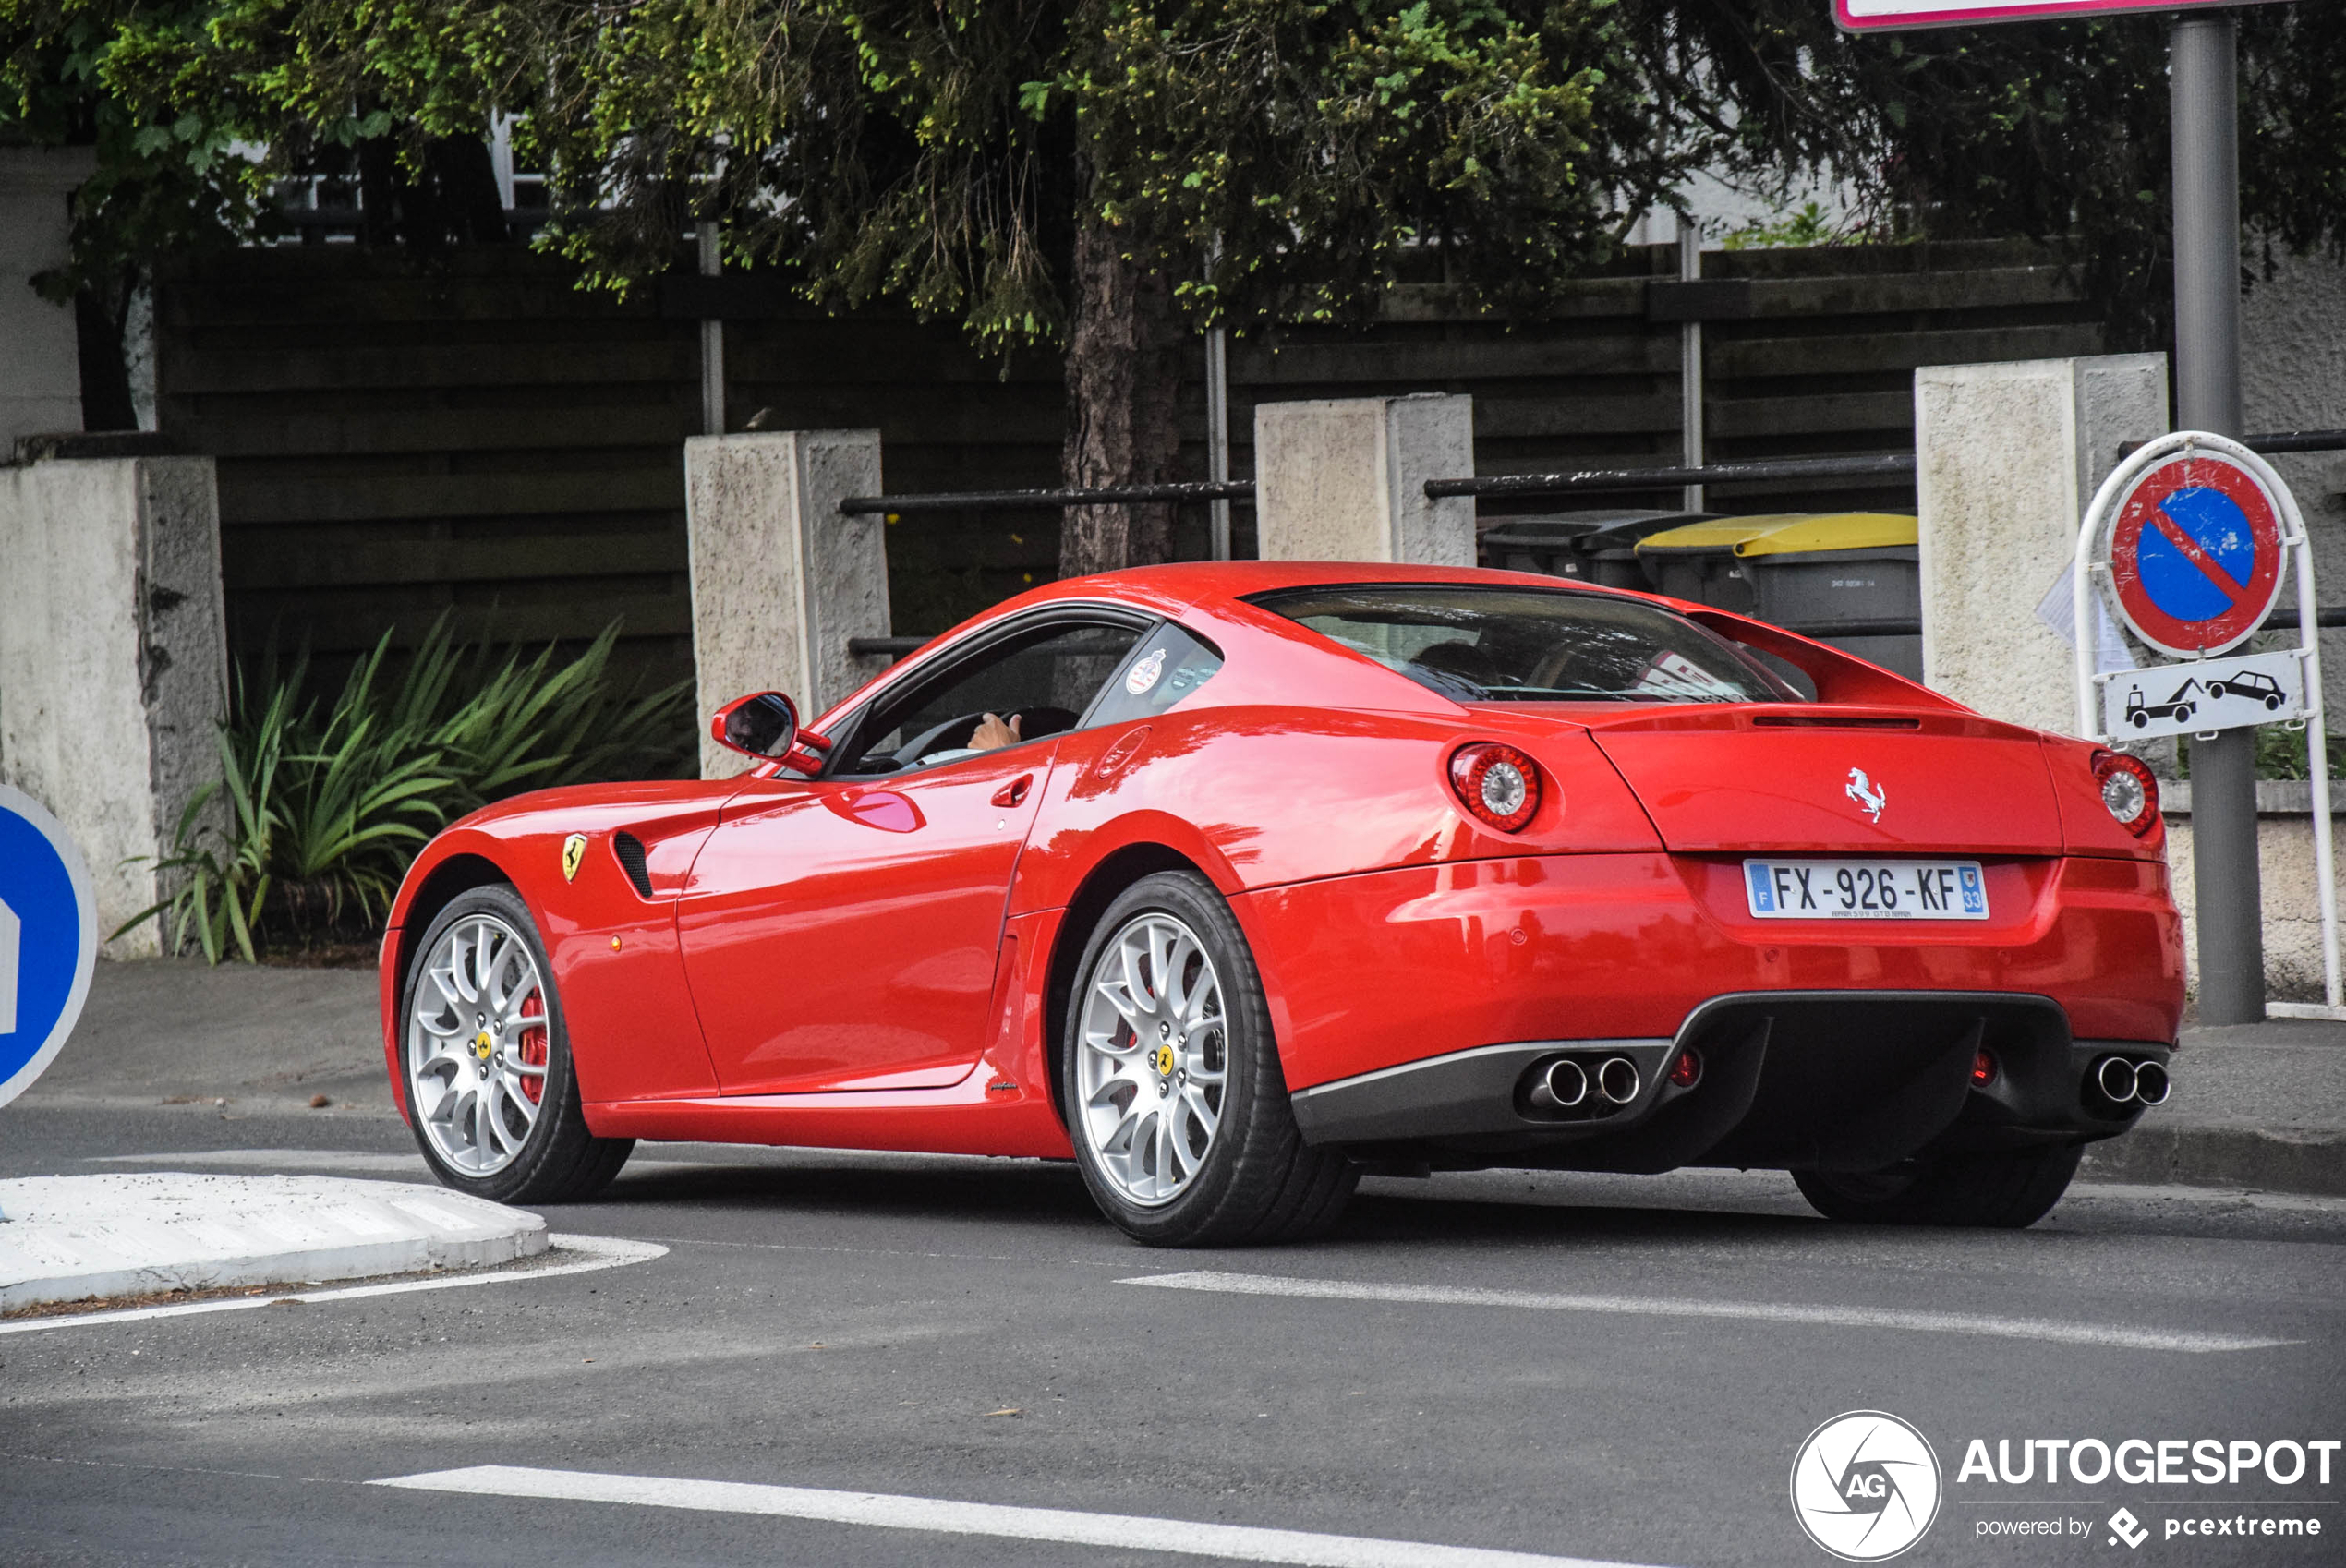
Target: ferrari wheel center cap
483,1043
1165,1061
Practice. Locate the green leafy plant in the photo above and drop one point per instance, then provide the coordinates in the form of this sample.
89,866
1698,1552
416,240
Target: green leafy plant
318,811
1805,225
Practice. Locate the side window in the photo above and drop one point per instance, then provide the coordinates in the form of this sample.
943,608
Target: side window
1035,685
1167,665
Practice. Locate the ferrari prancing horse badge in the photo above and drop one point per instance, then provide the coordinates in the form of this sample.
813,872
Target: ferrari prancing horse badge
574,851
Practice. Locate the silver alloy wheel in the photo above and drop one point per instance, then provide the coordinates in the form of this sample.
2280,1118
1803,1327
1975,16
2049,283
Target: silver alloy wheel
1153,1062
478,1046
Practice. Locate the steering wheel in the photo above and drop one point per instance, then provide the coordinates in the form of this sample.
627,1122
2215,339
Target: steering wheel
954,733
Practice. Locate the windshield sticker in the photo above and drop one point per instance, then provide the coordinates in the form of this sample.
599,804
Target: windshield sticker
1673,676
1144,673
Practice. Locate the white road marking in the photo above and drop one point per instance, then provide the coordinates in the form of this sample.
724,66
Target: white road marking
600,1253
1243,1542
327,1160
2103,1335
271,1159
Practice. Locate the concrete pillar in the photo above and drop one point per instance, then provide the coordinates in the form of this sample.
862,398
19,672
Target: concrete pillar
1343,479
113,660
780,579
40,356
2007,457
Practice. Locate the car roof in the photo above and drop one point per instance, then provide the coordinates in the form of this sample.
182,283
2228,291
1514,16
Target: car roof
1208,583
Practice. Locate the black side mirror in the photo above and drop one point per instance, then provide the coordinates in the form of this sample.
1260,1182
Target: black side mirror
762,725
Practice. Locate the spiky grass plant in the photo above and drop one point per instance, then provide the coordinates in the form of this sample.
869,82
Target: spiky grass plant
321,810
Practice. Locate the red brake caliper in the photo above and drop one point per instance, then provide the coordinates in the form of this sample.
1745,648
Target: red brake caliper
533,1048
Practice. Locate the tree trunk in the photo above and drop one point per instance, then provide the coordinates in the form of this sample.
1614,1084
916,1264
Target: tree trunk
1123,426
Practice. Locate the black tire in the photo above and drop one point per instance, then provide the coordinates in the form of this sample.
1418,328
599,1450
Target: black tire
1259,1182
560,1160
2008,1192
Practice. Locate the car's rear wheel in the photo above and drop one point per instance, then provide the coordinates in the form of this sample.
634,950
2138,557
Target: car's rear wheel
1171,1081
2011,1190
492,1094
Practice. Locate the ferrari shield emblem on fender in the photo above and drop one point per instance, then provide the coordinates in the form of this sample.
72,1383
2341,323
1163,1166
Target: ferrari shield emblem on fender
574,851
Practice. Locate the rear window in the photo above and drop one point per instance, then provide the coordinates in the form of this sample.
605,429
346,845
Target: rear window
1520,644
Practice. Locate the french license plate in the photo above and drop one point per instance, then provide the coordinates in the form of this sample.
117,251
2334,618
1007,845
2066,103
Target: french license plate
1865,889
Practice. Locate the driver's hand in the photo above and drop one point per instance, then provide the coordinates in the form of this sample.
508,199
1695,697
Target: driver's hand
992,734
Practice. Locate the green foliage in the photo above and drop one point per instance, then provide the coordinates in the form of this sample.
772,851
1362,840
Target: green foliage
2045,131
1807,226
2280,752
319,811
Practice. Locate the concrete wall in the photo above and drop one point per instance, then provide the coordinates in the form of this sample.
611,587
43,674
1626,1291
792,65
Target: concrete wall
2291,891
780,579
113,660
2007,456
40,359
1343,479
2292,375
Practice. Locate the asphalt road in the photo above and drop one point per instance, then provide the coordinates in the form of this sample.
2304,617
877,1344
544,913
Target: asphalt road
1603,1368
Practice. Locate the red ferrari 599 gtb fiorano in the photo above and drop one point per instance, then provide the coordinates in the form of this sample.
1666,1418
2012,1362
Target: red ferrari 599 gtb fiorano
1263,871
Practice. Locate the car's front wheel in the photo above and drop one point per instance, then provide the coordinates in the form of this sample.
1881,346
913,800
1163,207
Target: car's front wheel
491,1095
1171,1081
2010,1190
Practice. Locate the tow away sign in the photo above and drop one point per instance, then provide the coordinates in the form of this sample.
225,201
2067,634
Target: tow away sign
1875,16
2207,695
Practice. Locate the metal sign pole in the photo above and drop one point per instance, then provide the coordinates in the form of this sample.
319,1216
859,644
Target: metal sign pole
1690,361
2203,85
1217,437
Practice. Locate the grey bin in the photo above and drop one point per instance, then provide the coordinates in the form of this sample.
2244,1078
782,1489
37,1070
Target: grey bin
1598,545
1798,572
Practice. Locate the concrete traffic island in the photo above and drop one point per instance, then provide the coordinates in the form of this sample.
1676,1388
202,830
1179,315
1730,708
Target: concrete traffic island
73,1239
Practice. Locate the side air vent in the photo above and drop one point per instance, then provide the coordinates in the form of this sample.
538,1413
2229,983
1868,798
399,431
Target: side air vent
630,850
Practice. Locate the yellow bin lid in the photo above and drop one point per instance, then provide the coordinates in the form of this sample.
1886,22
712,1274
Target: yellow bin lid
1785,533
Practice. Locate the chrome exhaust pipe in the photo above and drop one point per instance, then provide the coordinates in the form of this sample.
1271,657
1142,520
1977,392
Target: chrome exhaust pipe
2150,1084
1561,1086
2117,1077
1618,1080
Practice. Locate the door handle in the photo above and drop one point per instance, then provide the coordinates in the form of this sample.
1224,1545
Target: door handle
1014,791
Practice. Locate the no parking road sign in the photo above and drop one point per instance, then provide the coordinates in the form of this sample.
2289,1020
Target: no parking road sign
48,939
2195,554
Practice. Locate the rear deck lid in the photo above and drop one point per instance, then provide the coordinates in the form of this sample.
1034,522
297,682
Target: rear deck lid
1719,780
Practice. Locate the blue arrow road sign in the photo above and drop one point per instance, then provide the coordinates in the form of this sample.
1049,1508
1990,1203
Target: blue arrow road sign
48,939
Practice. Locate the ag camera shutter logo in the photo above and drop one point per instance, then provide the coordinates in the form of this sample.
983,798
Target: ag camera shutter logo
1865,1486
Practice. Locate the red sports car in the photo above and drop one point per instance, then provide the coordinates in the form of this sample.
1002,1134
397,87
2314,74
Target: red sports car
1231,880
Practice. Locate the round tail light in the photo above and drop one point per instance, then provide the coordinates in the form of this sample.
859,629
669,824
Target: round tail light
1498,784
2129,790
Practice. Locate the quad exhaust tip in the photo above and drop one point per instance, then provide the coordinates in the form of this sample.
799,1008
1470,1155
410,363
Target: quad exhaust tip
1598,1088
2122,1082
1618,1080
1566,1085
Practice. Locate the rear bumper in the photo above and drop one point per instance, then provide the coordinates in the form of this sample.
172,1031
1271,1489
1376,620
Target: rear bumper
1837,1081
1394,968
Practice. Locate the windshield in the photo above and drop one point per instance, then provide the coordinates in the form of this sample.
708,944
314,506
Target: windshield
1522,645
